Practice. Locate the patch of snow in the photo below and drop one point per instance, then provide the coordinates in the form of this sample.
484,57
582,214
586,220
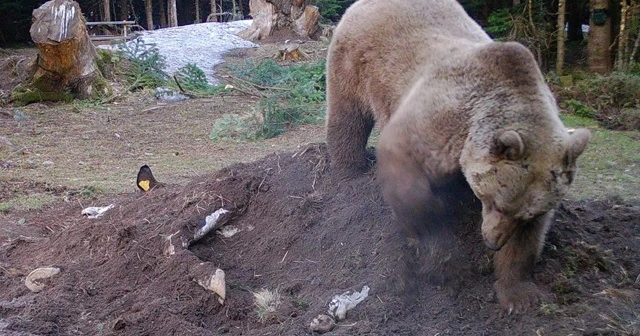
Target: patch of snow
202,44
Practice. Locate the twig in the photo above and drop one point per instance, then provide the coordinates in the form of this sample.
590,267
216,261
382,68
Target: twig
190,95
285,256
151,109
14,153
257,86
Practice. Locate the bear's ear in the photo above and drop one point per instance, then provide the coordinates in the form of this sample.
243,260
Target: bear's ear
575,145
509,145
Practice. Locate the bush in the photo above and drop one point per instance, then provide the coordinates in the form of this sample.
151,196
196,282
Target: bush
615,91
194,81
146,65
578,108
613,100
293,95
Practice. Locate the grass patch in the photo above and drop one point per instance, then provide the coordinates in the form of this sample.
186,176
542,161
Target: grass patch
266,303
611,163
292,95
26,202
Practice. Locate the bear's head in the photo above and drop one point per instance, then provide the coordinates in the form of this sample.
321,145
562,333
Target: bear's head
522,175
519,158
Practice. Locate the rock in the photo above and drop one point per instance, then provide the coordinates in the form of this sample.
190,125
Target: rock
5,142
169,249
169,95
322,324
210,277
47,163
31,281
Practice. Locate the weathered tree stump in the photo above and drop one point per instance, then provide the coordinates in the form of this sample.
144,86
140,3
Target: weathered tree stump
66,63
290,52
269,16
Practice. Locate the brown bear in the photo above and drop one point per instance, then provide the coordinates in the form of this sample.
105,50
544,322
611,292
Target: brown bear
449,100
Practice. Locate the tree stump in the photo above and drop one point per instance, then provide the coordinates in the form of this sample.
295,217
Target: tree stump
66,63
269,16
290,52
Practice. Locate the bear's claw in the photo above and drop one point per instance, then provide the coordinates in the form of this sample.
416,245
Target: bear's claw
517,297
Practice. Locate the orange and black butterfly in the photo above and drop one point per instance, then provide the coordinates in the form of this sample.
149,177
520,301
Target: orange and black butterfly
145,180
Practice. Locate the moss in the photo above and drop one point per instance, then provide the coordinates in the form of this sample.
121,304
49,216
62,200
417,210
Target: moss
46,88
22,96
100,87
106,62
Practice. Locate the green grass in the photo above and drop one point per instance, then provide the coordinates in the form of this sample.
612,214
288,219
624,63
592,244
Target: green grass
26,202
610,165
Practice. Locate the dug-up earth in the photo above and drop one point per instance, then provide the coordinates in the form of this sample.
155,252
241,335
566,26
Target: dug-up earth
306,237
292,229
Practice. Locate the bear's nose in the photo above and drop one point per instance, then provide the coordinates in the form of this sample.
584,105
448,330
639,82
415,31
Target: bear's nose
492,245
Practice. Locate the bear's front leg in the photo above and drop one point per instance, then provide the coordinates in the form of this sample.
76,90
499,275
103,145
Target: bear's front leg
349,125
514,265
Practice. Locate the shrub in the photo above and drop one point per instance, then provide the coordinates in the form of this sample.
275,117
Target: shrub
193,80
578,108
613,100
146,65
293,94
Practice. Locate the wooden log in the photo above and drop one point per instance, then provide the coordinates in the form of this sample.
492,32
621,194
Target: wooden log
66,62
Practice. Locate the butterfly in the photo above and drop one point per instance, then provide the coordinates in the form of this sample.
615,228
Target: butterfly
145,180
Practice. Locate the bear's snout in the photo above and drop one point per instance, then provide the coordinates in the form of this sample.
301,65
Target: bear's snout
491,245
496,228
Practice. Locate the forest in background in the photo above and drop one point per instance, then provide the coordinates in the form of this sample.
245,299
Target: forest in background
15,15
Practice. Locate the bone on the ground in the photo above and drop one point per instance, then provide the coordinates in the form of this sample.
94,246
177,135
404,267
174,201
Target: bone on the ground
208,224
96,212
322,324
31,281
209,277
342,303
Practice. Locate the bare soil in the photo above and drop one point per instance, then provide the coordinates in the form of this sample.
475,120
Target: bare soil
309,237
301,233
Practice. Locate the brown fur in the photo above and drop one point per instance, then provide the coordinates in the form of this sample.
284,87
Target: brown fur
450,100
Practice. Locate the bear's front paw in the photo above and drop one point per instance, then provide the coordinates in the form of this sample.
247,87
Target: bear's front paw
517,296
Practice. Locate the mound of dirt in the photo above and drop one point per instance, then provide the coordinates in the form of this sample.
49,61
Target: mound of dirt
308,237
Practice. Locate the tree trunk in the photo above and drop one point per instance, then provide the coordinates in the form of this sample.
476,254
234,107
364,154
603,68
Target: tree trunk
623,38
269,16
124,10
197,11
561,38
66,61
106,4
212,16
173,13
599,58
163,14
574,18
148,8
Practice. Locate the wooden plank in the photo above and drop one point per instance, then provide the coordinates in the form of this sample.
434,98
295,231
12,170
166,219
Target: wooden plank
110,37
110,23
